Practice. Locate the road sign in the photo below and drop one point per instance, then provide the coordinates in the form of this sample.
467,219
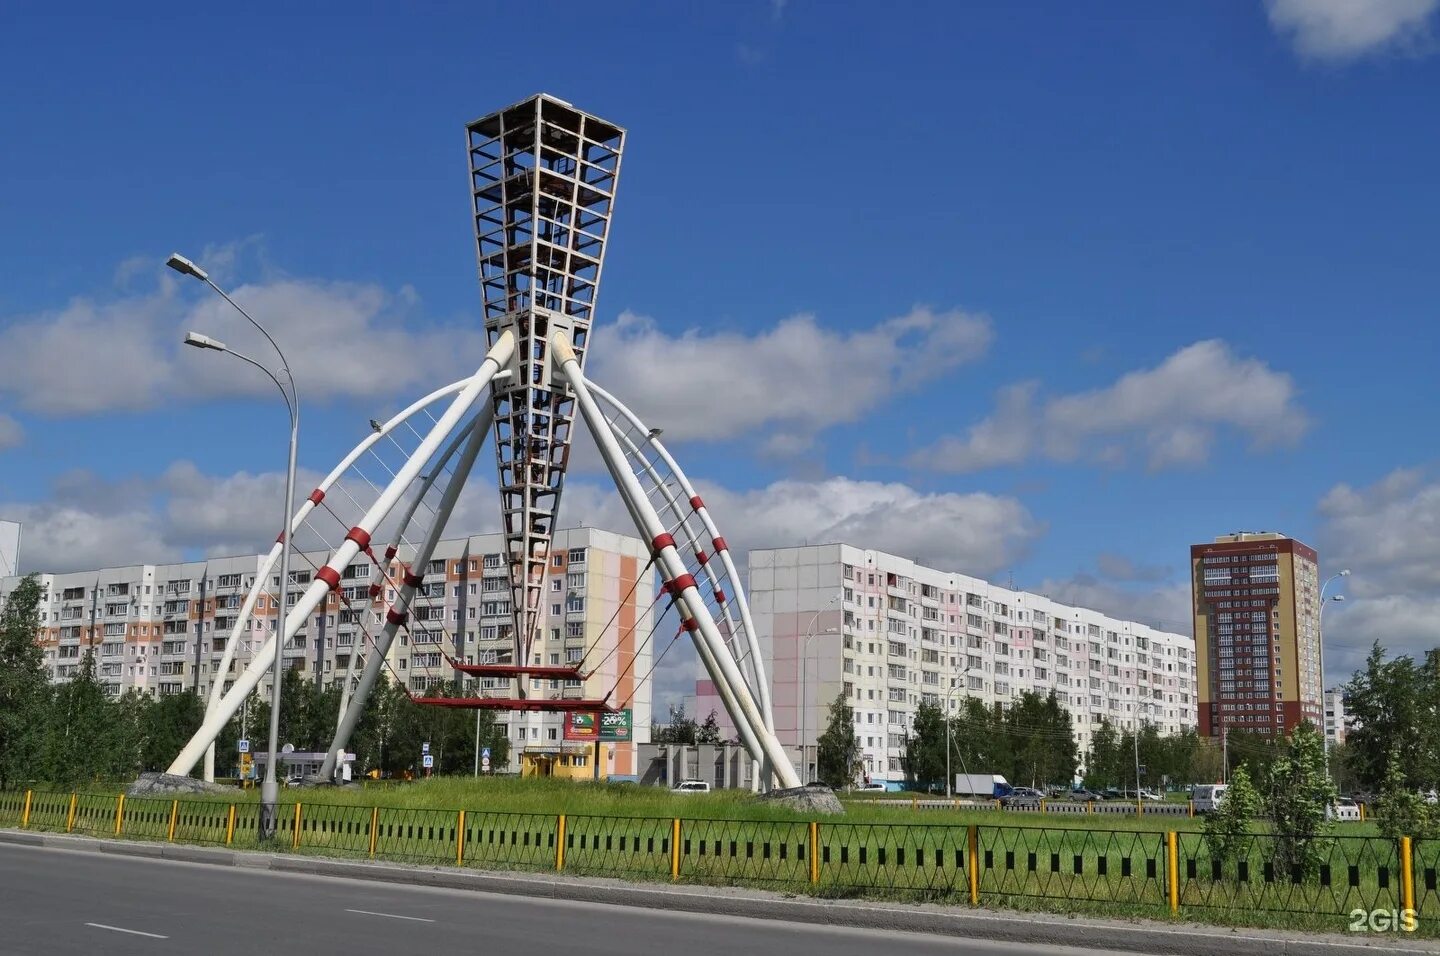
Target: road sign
485,762
425,749
429,761
484,753
244,746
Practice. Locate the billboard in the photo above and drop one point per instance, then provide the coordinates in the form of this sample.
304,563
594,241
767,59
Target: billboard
605,725
9,548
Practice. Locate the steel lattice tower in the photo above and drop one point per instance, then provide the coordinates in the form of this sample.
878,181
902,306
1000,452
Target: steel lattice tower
543,177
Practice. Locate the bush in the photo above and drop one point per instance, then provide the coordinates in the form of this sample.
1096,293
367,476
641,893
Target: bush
1227,829
1401,811
1300,793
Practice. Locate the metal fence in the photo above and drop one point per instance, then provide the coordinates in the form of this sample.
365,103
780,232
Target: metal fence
1140,871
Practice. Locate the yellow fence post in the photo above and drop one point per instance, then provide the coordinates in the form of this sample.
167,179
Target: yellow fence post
174,812
25,817
1407,875
974,847
230,826
1192,807
1362,813
814,851
1172,869
119,813
70,817
675,850
460,840
374,829
1089,806
295,829
560,844
914,803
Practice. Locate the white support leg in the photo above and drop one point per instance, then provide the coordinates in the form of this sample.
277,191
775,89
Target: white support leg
328,577
671,564
406,593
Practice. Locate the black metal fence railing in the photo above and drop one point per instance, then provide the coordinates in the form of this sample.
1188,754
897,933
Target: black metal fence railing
1321,880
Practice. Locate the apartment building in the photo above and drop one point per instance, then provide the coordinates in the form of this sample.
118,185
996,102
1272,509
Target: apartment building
162,629
889,633
1336,722
1256,601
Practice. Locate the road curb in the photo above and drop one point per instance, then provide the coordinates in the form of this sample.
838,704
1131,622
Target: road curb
1137,936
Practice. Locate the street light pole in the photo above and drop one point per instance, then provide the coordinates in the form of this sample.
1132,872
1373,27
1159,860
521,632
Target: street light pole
804,673
269,788
1320,640
949,778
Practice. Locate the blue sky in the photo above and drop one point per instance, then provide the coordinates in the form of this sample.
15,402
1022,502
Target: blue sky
1013,288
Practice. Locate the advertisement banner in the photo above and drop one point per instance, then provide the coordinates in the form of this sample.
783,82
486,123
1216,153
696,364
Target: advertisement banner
606,725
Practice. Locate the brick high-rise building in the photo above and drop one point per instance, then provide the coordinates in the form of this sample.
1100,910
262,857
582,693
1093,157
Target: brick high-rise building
1256,598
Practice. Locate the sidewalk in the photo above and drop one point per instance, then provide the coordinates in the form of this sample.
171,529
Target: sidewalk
1131,936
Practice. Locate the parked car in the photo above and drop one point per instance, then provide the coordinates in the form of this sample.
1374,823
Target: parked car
1344,809
1152,795
1081,794
1208,797
691,786
872,787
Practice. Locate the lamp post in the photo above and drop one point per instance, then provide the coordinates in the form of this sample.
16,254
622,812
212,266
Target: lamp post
1320,640
804,662
269,788
954,686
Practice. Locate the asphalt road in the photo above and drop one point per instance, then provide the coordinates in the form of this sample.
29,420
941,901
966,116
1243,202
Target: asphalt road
60,901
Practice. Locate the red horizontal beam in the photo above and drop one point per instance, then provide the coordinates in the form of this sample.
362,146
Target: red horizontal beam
535,704
519,670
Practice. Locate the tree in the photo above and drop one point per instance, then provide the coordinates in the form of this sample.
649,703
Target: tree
709,731
1227,828
1401,811
680,730
1299,796
24,685
1040,738
1107,761
924,758
1388,701
1254,751
78,730
838,747
166,724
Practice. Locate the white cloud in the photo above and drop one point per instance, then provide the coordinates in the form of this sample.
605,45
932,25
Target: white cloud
1164,606
782,385
11,434
1345,29
124,353
1169,414
1388,535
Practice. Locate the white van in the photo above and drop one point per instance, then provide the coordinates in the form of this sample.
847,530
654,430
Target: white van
1207,798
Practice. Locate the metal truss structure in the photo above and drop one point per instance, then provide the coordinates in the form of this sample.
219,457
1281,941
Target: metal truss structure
543,177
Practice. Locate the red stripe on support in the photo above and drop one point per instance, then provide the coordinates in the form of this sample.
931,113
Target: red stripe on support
317,496
691,625
390,553
701,556
396,617
662,541
682,582
720,545
375,590
330,576
696,503
412,579
360,536
720,595
280,538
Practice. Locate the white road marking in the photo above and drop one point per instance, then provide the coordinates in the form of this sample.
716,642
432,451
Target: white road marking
418,919
121,929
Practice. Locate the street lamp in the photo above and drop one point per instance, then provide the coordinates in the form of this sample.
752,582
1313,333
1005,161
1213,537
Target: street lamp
954,686
1320,640
804,663
269,788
